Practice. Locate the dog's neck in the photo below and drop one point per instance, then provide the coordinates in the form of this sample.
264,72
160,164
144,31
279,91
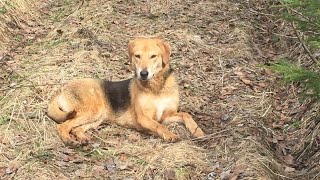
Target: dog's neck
156,84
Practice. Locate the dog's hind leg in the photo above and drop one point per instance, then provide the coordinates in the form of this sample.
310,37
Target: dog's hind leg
65,128
186,119
80,131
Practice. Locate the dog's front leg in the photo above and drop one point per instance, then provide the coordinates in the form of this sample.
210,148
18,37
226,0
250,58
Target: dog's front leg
156,128
173,116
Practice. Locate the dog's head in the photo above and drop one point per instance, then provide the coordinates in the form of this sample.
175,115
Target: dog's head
148,56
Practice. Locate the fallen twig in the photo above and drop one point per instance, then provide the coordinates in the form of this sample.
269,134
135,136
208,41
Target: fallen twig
304,45
210,136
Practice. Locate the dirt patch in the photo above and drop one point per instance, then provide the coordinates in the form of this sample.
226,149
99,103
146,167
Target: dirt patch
217,57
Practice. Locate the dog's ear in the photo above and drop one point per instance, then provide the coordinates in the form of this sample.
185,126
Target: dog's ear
166,51
130,52
130,49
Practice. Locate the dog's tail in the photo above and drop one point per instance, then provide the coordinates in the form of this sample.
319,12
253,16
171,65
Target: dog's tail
56,113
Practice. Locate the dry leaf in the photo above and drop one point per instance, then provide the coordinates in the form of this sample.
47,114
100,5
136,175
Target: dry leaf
277,126
169,175
2,171
262,178
289,159
289,169
242,76
66,158
11,169
237,71
80,173
67,151
227,90
229,175
225,175
237,171
262,84
278,107
284,118
268,71
225,117
98,170
110,165
123,157
245,81
61,163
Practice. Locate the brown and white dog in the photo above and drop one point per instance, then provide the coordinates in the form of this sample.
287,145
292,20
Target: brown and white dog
145,102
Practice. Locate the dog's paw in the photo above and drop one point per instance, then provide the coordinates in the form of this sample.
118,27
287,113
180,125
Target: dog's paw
85,140
171,137
81,137
198,133
72,143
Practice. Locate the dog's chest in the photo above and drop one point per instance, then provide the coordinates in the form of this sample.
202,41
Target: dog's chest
161,104
158,104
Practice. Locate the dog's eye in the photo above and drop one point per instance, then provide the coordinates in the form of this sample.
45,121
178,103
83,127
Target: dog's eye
137,56
153,56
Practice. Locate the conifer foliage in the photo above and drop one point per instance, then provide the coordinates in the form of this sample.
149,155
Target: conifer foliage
304,16
309,79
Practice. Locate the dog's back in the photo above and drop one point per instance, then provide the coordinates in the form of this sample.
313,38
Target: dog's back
117,95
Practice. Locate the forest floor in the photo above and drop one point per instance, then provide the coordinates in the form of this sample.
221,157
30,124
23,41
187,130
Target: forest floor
219,53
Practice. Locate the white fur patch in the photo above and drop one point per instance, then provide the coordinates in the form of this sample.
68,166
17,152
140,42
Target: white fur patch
163,104
62,103
138,70
159,103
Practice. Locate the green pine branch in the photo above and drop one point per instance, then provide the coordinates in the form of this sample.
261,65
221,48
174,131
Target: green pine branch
309,80
305,14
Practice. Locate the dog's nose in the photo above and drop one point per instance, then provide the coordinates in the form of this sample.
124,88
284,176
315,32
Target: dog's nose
144,74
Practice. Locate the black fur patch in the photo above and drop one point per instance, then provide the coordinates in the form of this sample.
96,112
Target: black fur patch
168,73
117,94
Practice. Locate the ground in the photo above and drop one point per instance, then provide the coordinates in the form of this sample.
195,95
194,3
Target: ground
219,55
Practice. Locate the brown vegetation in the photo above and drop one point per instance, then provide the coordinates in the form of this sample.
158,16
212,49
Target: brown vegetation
255,128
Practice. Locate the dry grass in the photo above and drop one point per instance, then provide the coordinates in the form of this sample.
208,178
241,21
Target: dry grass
15,15
211,44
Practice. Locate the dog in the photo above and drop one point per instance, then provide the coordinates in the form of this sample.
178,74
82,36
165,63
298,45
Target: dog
145,102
